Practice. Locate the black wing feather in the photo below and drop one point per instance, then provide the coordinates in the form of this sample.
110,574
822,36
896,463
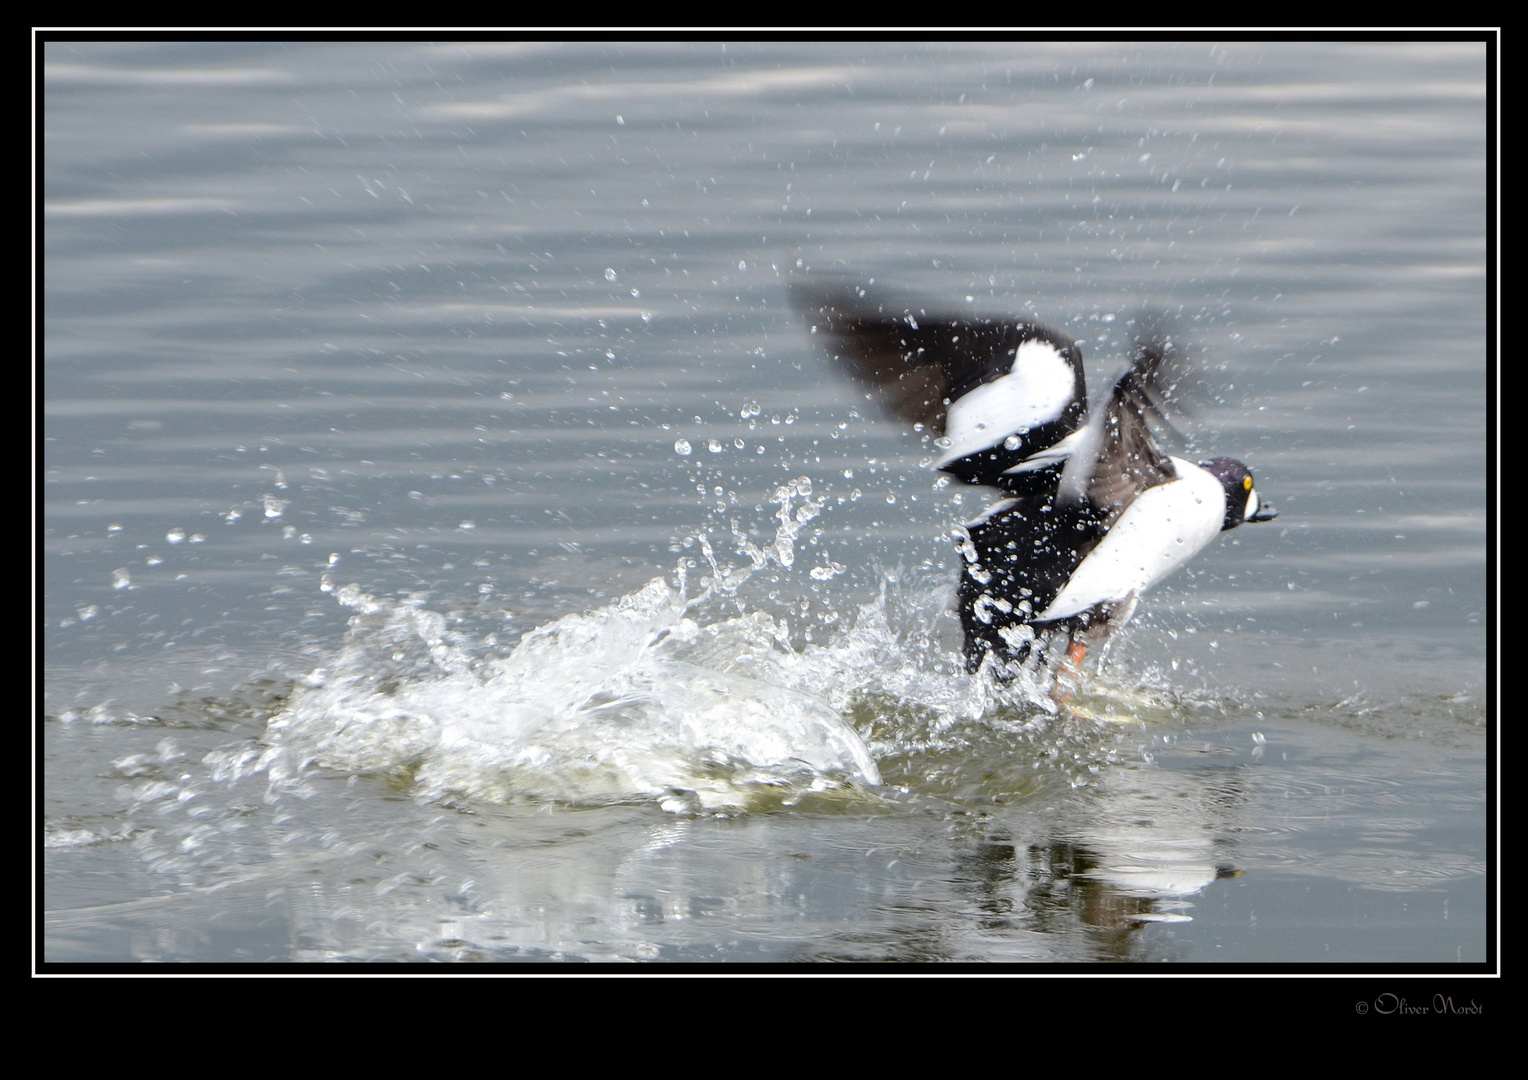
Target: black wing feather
914,363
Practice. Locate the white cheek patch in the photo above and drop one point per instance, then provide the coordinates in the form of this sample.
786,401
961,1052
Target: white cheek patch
1035,392
1252,505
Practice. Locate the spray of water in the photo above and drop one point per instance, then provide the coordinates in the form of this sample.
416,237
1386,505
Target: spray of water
689,699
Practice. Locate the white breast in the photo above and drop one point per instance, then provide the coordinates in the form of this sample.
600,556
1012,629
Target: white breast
1160,531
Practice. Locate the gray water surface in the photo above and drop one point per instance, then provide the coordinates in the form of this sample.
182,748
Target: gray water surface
365,365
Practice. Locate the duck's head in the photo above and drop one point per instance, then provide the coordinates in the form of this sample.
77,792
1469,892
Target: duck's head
1242,502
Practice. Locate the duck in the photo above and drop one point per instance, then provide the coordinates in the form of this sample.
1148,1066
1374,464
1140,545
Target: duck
1094,512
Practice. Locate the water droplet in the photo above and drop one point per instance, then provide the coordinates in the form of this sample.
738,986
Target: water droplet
682,447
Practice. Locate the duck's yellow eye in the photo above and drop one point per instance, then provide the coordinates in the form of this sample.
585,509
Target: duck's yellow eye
1246,483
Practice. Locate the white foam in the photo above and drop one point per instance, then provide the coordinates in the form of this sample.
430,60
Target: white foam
588,708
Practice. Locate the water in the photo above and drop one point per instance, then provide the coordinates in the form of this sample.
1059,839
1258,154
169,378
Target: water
455,548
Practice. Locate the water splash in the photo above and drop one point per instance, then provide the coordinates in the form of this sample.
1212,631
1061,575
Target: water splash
637,699
628,701
695,702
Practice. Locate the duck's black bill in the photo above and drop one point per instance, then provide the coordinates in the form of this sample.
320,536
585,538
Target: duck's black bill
1264,513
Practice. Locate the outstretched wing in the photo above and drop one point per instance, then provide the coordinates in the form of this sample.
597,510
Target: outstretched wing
1118,458
1002,392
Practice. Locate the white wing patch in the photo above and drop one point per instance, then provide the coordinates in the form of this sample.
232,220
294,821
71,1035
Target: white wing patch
1035,392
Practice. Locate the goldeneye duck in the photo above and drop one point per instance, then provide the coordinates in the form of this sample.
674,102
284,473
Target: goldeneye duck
1096,512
